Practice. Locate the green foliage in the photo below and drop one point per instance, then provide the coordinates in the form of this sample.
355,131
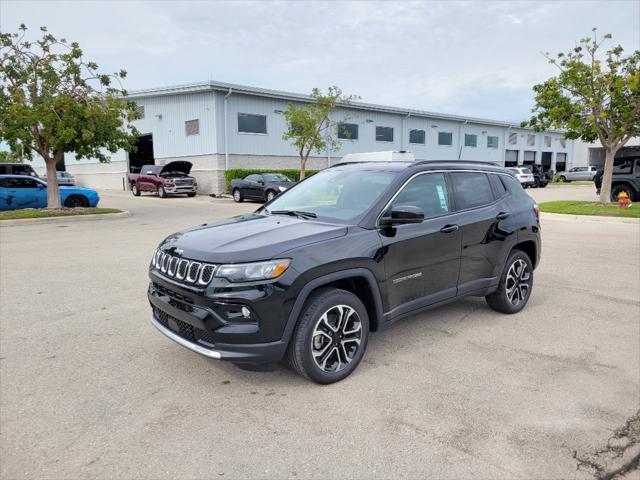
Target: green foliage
593,97
58,212
234,173
309,126
9,157
54,101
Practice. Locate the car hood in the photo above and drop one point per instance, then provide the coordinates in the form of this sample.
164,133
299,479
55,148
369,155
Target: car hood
249,238
177,166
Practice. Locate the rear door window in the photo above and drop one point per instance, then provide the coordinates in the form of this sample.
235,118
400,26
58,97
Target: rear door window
472,189
498,187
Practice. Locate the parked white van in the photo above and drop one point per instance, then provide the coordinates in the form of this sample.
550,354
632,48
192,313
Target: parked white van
388,156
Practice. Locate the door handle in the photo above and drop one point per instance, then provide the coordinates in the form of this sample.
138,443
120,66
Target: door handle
449,228
503,215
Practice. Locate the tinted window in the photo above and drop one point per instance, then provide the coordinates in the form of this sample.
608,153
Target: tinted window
526,170
384,134
511,183
348,131
498,187
248,123
276,177
22,183
253,178
22,170
470,140
445,138
417,136
472,189
4,170
428,192
4,183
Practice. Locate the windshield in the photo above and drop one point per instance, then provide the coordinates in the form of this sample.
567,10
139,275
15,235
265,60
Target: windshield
526,170
335,194
276,177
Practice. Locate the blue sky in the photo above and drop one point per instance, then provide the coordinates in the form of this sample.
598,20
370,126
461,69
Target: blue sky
476,58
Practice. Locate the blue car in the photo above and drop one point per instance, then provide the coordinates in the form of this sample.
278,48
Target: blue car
20,191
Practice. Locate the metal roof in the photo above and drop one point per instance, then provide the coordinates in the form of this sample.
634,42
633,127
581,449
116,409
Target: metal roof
290,96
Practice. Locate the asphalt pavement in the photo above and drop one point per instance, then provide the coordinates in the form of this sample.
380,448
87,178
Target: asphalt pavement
89,389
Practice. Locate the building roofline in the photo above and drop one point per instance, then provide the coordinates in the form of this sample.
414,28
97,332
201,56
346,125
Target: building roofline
290,96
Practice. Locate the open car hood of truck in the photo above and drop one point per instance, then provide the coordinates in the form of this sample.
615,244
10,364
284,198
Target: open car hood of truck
177,166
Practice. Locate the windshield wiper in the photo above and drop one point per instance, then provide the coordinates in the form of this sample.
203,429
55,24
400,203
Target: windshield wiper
294,213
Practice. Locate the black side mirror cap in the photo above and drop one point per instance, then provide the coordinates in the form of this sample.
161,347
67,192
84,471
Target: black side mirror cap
401,215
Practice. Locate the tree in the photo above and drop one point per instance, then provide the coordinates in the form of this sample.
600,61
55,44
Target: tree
310,128
52,101
9,157
592,98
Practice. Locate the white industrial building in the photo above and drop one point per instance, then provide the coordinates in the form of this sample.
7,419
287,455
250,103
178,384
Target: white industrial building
218,126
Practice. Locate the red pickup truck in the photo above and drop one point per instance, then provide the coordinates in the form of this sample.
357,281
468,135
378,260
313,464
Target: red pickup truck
170,179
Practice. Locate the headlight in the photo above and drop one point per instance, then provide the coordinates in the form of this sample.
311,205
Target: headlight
249,272
282,189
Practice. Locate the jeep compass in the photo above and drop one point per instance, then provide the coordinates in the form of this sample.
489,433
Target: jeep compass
309,275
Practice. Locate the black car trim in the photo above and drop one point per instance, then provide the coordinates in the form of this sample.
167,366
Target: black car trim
420,303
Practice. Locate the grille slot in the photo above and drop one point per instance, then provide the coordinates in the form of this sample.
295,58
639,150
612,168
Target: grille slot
185,330
182,269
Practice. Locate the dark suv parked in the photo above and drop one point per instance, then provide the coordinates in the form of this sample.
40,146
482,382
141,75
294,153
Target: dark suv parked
344,253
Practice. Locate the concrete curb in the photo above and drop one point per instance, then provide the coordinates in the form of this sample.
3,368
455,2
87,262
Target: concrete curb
64,219
588,218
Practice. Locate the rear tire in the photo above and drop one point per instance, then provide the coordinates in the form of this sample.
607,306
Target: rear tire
270,195
618,189
563,179
516,284
237,195
331,336
162,193
76,201
135,190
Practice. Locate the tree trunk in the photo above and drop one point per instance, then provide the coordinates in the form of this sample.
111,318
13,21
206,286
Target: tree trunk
303,164
605,189
53,192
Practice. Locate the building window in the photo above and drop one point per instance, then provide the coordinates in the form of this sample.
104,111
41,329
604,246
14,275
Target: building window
417,136
445,138
470,140
384,134
348,131
531,140
192,127
513,138
547,141
563,142
140,109
250,123
492,142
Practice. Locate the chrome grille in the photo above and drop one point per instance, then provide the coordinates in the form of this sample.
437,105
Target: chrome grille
183,182
187,271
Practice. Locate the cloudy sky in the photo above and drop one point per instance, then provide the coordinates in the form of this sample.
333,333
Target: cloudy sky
477,58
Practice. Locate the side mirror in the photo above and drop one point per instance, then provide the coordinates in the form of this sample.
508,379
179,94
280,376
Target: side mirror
41,186
401,215
260,182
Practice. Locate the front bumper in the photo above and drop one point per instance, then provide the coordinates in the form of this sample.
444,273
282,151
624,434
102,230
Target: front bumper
181,189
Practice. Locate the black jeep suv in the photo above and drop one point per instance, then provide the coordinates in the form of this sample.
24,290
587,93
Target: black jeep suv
341,254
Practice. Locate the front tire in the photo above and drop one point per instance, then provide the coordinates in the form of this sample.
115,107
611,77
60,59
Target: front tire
331,336
76,201
270,195
191,195
162,193
135,190
516,284
563,179
237,195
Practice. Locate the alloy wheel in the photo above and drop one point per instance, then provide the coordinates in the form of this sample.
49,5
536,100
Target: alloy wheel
270,196
518,282
336,338
236,195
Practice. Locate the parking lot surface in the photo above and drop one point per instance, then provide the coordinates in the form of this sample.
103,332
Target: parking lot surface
90,389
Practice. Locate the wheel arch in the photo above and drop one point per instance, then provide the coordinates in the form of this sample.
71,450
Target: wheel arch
359,281
530,248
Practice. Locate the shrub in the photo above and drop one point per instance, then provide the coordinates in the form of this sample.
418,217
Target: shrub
233,173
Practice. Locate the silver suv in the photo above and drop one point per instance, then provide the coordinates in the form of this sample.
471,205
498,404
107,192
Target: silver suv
578,174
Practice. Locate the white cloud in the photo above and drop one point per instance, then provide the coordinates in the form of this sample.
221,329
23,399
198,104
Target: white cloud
476,58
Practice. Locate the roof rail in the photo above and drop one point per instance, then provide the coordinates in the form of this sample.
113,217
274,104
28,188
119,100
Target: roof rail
477,162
